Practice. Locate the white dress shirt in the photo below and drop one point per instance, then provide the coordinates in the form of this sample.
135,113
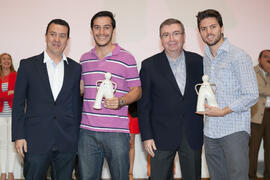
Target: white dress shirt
179,70
55,73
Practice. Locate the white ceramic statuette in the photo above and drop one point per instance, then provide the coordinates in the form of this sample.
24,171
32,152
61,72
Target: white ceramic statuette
206,94
106,90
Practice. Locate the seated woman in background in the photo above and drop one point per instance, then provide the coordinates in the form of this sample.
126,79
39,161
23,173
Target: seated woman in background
7,148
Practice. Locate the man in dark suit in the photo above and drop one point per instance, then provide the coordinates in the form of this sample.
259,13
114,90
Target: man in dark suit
166,111
46,108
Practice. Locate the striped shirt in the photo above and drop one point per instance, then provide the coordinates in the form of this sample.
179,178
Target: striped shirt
6,110
232,71
122,65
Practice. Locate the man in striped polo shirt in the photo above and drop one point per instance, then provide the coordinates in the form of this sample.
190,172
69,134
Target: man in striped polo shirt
105,132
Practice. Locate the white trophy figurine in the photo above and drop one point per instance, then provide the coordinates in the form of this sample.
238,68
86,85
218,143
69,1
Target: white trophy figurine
106,89
206,94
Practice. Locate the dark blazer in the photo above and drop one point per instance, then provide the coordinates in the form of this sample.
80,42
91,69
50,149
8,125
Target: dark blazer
36,117
164,113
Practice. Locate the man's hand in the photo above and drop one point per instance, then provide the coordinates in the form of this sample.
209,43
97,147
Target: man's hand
133,95
112,103
21,146
149,146
215,111
81,87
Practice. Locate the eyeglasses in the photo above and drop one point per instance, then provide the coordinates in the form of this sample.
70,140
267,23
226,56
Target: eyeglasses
175,34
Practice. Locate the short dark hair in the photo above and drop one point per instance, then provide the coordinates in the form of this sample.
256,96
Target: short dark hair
104,14
60,22
261,53
209,13
169,22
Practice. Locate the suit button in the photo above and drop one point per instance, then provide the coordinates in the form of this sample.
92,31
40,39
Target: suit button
54,103
54,117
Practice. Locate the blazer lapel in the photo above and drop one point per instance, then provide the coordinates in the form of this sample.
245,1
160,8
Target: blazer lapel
42,69
188,73
166,70
66,80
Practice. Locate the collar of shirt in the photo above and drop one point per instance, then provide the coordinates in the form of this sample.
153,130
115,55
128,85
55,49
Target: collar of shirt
176,62
47,58
55,74
178,68
262,71
224,48
115,51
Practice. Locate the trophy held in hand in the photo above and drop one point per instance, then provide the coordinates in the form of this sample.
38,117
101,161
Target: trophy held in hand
206,94
105,89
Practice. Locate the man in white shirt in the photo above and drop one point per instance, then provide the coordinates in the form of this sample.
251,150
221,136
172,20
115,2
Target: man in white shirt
46,108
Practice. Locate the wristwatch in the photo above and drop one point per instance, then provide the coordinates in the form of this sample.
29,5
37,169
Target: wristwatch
121,102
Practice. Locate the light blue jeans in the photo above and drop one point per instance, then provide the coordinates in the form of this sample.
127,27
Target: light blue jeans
94,146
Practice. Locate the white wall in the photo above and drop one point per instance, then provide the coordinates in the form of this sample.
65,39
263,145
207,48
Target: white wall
23,24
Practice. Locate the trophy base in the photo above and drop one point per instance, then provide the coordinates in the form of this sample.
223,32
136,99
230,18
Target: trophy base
97,108
199,111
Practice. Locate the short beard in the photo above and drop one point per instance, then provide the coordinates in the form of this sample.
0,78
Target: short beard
216,41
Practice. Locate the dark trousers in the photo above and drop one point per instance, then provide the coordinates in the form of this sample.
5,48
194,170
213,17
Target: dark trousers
259,132
76,168
36,165
190,163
